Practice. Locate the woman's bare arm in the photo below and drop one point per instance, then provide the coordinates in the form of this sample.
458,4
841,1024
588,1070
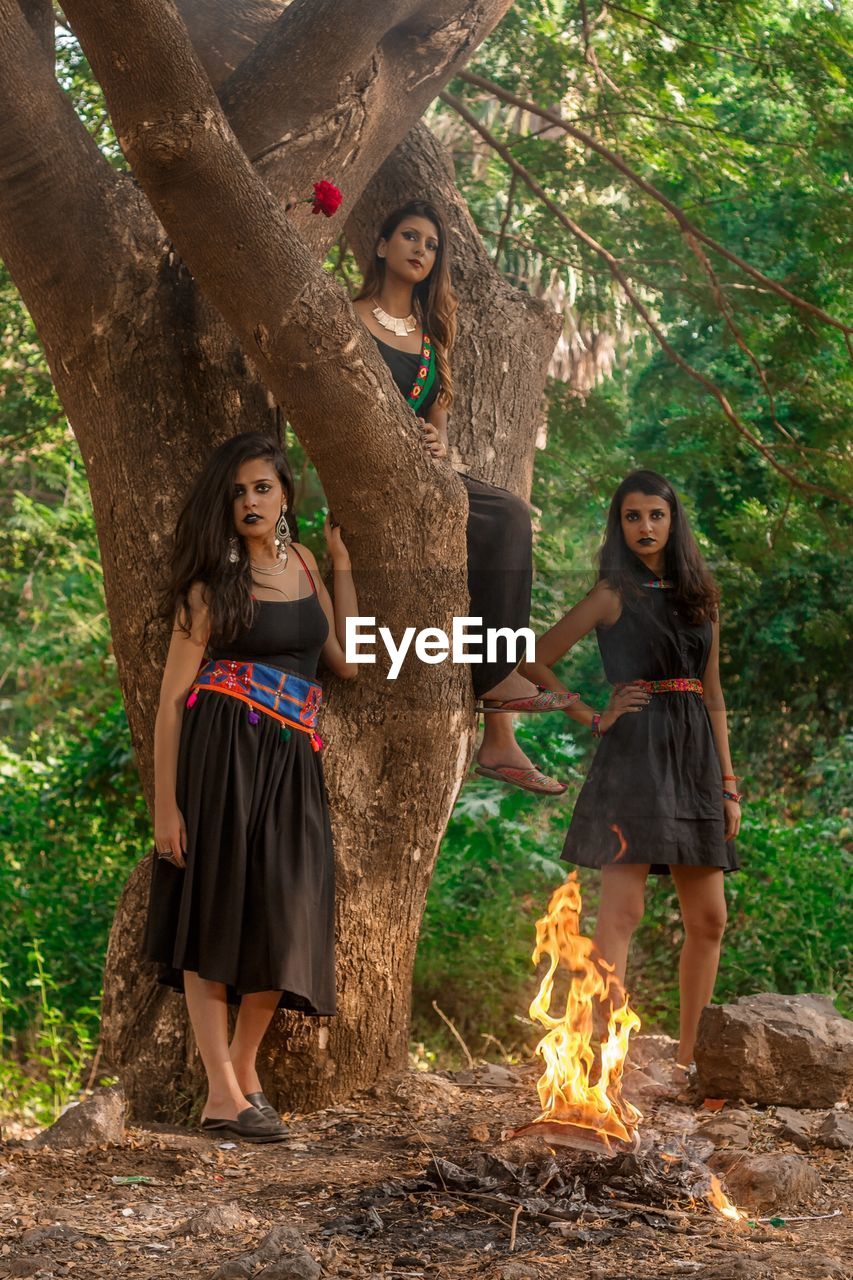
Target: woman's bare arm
185,656
601,608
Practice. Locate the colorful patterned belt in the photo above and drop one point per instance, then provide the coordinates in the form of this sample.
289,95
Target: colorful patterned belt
675,684
283,696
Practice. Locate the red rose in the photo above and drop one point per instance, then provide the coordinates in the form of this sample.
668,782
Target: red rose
327,198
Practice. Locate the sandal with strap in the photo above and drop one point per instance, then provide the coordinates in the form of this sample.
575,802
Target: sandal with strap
525,779
544,700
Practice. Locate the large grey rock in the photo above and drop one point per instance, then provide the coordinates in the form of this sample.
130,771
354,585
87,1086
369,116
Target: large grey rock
98,1118
770,1182
794,1051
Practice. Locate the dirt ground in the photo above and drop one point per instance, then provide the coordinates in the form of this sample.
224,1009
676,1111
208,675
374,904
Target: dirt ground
354,1182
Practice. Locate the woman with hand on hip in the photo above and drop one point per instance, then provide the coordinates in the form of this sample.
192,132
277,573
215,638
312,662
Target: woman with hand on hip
242,894
408,306
660,795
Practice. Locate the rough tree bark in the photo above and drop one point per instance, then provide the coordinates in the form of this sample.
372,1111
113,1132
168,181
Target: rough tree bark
150,377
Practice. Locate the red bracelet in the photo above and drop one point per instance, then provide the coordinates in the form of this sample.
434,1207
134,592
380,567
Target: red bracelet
595,726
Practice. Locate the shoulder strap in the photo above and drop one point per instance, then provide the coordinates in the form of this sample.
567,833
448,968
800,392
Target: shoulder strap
307,570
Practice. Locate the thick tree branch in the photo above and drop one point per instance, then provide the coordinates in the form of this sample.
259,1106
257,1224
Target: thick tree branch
225,33
58,195
672,209
258,98
39,14
643,311
358,105
237,240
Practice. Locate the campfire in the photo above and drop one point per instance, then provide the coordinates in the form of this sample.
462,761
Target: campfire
580,1090
581,1087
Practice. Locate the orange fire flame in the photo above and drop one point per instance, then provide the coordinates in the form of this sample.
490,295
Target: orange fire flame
565,1089
718,1200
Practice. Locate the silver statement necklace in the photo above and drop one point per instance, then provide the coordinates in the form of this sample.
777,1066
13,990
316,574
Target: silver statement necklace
394,324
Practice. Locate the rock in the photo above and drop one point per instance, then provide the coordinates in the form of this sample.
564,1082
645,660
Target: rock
98,1118
794,1051
647,1049
242,1268
280,1244
282,1239
294,1266
518,1271
774,1181
794,1127
836,1131
640,1088
724,1133
27,1266
43,1235
218,1220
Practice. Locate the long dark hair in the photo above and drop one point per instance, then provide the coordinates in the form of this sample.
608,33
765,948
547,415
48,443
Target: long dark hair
433,298
205,538
693,586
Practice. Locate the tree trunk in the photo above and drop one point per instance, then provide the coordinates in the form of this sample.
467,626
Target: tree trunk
151,378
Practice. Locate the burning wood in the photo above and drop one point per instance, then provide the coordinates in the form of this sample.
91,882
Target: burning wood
581,1087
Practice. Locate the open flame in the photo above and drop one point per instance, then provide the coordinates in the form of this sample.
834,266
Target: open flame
566,1091
718,1200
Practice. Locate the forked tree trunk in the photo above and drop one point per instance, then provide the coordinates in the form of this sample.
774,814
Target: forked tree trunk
151,378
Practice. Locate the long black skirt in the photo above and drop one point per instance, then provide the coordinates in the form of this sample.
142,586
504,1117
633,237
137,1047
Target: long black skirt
500,570
254,908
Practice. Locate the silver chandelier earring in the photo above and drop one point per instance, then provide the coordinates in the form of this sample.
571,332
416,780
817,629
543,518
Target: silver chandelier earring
283,536
233,550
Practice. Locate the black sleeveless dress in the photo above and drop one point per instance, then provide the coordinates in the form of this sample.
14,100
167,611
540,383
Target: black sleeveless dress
499,537
254,907
655,782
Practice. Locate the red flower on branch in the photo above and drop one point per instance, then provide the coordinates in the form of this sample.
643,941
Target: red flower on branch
327,198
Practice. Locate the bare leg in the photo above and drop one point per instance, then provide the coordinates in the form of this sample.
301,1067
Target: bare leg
499,746
256,1011
515,685
621,910
703,911
208,1010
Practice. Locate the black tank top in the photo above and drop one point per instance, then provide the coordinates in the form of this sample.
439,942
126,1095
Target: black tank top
284,633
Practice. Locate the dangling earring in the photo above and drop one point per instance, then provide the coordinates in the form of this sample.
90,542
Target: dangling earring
233,550
283,536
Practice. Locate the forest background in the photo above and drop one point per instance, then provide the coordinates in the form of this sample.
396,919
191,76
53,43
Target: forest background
740,116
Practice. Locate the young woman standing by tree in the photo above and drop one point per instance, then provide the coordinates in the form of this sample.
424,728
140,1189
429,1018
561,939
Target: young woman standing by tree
242,894
660,794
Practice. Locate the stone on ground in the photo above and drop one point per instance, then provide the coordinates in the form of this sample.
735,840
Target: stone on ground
794,1127
218,1220
771,1182
97,1119
836,1131
793,1051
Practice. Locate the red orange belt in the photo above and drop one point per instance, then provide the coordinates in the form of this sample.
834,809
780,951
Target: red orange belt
674,684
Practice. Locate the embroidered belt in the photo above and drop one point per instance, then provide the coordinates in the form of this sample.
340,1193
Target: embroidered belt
283,696
674,684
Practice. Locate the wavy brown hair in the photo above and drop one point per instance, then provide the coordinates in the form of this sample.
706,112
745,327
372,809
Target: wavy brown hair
205,536
693,586
434,301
